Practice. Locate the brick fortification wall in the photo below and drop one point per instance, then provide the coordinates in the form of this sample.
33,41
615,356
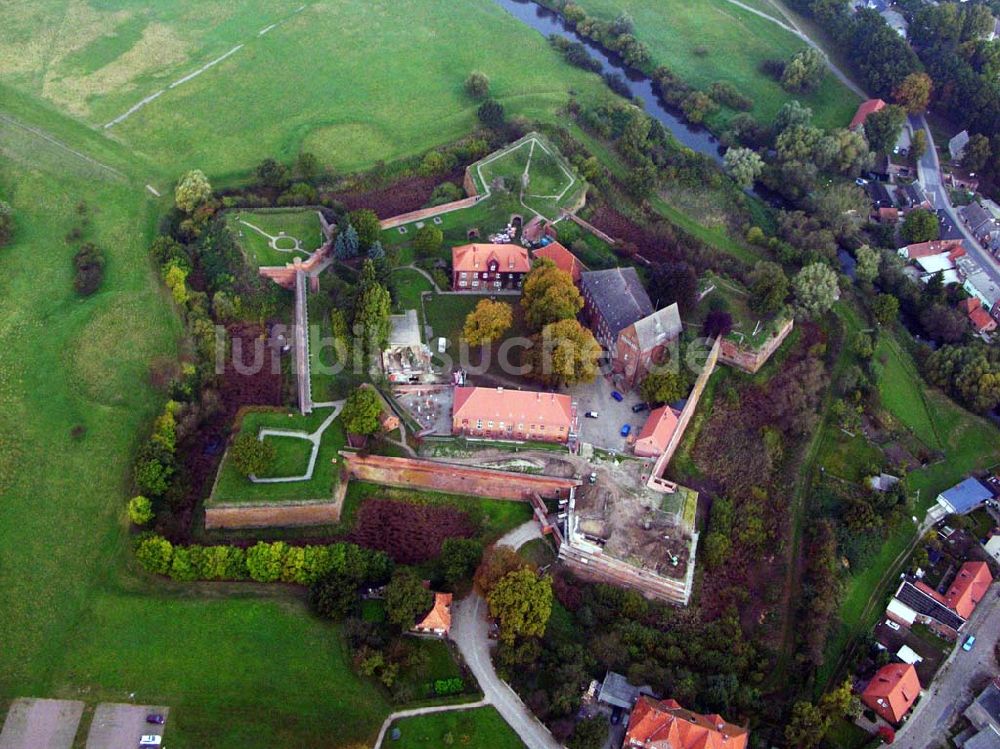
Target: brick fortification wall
453,479
750,360
284,275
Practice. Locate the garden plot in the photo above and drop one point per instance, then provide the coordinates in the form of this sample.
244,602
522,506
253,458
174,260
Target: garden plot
277,238
535,171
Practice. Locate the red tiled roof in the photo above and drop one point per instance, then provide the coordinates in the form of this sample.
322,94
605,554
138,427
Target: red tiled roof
867,107
888,214
982,320
439,617
892,691
513,406
967,305
510,258
926,249
666,724
970,585
563,258
656,432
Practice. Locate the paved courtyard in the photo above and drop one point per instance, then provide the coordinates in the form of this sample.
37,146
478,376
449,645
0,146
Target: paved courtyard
605,431
118,725
41,724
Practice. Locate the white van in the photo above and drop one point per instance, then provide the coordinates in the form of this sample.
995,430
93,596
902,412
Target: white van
150,742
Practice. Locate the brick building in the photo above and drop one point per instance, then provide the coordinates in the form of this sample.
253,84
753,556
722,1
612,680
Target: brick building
655,724
496,413
488,267
564,259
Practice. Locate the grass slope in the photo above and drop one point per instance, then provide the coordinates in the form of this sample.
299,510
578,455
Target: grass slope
735,43
479,727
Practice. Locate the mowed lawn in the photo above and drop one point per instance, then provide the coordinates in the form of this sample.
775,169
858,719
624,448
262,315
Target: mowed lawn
241,666
713,40
354,81
286,225
480,727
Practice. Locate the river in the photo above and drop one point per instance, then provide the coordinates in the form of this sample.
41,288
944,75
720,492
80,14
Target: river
639,84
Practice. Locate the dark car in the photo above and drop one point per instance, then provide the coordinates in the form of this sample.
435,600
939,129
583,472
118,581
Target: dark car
617,396
640,407
155,718
591,414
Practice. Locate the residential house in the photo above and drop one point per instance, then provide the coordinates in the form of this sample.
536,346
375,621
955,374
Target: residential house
883,482
563,258
956,146
980,319
988,738
644,344
887,216
979,220
488,267
927,249
916,602
964,497
438,619
984,712
867,107
656,432
892,691
657,724
979,284
968,588
497,413
912,197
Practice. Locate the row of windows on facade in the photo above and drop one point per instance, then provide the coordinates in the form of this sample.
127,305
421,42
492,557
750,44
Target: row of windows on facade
502,425
464,274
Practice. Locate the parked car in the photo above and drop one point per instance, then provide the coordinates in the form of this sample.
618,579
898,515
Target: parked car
591,414
891,624
969,642
860,182
151,741
592,478
155,718
640,407
626,430
617,396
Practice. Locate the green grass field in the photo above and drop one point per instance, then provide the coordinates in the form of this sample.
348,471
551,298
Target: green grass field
478,727
410,285
446,313
713,40
233,487
302,225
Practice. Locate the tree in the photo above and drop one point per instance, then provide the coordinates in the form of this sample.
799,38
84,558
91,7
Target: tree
333,595
362,411
589,733
914,93
376,251
918,145
969,373
674,282
522,602
548,295
154,553
371,313
867,266
744,165
717,323
252,456
943,324
977,153
307,165
272,174
768,288
459,558
816,290
367,225
491,114
920,226
497,562
843,151
406,598
6,223
427,241
477,85
140,510
798,143
807,726
347,245
487,322
792,113
664,387
804,72
563,354
192,191
882,128
885,309
89,264
715,550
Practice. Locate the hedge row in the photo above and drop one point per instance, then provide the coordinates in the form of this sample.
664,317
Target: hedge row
265,562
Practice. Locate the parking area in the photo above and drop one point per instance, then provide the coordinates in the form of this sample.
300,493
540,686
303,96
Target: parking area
605,431
120,726
41,724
